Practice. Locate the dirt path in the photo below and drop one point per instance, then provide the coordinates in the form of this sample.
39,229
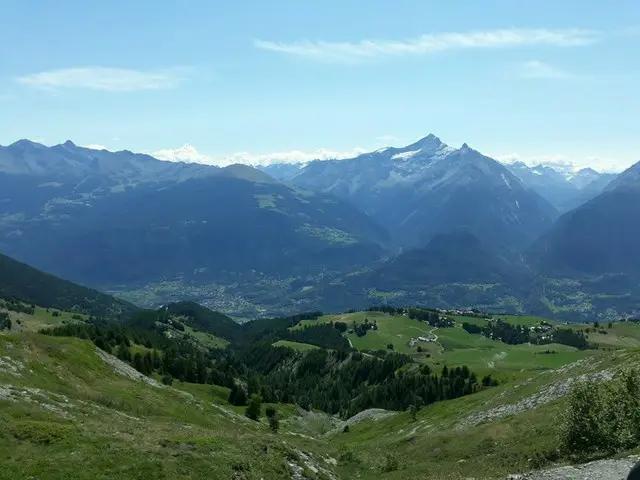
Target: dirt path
435,336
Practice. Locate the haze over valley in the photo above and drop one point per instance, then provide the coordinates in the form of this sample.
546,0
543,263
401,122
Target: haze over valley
426,223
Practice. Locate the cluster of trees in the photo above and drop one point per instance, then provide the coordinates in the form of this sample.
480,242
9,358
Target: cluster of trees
428,315
432,317
5,321
326,336
16,305
361,329
518,334
570,337
387,309
501,330
602,417
254,408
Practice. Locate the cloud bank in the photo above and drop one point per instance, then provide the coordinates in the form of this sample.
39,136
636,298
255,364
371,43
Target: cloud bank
188,153
564,162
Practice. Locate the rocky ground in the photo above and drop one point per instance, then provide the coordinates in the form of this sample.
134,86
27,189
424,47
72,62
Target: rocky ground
598,470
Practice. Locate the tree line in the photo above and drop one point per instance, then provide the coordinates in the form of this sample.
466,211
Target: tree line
518,334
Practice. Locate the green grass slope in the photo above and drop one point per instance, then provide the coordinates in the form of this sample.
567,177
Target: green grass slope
66,413
510,429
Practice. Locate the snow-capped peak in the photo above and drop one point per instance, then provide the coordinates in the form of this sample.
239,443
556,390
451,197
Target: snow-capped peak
186,153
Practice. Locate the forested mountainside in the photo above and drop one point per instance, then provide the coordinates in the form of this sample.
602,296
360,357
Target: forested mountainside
23,283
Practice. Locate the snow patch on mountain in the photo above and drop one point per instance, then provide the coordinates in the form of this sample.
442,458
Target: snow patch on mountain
405,155
504,178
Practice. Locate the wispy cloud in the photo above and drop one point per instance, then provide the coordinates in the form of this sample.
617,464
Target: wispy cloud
541,70
104,79
430,43
188,153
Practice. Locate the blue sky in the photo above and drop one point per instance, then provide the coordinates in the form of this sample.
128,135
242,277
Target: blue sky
256,80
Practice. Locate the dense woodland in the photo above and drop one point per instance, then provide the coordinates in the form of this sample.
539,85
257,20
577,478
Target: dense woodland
335,378
517,334
345,383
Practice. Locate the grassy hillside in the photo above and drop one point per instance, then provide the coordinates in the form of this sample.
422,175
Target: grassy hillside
36,318
70,411
302,347
68,414
511,429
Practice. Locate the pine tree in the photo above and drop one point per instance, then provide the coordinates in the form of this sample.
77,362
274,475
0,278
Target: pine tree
274,423
413,411
253,409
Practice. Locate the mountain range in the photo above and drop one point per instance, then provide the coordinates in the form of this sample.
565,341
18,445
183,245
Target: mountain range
426,223
564,188
122,221
429,188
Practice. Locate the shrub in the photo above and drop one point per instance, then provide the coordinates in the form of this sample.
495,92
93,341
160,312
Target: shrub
41,432
602,418
390,463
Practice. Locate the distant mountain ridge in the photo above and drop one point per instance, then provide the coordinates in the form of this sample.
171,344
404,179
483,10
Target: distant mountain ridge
562,187
590,257
25,157
429,187
598,237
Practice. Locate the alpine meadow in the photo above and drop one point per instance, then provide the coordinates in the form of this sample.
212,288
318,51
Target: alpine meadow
319,241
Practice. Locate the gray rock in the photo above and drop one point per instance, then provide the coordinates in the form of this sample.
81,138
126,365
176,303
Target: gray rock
598,470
